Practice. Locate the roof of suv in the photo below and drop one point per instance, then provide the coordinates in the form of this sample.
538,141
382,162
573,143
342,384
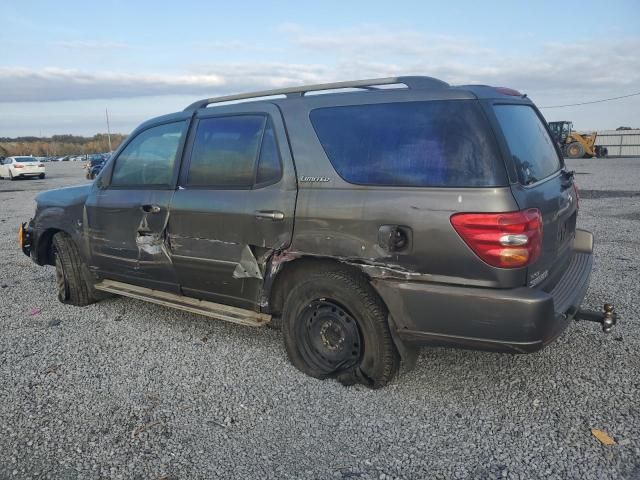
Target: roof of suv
410,82
354,87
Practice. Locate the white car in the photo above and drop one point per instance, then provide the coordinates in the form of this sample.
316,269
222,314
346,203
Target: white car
17,167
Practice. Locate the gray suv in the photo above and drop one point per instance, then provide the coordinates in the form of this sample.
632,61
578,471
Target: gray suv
365,218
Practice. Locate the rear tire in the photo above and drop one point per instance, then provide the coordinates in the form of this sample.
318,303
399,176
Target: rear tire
11,177
575,150
601,152
72,277
335,326
41,176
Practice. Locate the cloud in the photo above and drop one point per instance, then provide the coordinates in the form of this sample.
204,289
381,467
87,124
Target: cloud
379,41
91,45
579,71
52,84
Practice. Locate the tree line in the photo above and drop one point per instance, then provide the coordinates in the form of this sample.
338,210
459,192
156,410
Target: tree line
59,145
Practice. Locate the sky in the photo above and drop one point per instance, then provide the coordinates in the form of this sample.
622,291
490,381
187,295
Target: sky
63,63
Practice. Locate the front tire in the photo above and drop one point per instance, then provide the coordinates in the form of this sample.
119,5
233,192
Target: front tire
335,326
72,278
575,150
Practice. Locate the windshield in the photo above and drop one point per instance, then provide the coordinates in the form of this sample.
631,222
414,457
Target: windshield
531,146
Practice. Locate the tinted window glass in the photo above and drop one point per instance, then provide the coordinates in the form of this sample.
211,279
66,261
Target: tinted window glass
269,163
418,144
150,157
225,150
531,147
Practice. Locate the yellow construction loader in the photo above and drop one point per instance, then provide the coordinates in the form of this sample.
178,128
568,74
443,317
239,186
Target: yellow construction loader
573,144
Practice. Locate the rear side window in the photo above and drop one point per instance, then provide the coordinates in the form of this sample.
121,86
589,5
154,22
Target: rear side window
415,144
531,146
225,150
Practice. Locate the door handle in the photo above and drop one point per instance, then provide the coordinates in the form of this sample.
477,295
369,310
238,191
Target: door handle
150,208
270,214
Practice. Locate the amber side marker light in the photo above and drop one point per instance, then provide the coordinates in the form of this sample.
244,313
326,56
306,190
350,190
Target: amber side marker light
21,236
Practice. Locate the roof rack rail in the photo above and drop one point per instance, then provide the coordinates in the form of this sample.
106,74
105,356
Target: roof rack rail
412,82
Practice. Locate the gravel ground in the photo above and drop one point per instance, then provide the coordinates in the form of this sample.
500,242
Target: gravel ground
124,389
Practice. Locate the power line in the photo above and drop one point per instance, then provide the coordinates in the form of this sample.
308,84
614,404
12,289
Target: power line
594,101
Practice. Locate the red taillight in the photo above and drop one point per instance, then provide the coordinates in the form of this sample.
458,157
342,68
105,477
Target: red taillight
506,240
41,165
17,165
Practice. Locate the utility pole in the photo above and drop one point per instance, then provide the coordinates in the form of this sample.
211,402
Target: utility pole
108,128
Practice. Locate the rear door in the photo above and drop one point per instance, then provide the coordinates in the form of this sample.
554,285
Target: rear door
541,183
234,204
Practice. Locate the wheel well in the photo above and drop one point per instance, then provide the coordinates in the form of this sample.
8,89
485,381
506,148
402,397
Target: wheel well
45,246
291,272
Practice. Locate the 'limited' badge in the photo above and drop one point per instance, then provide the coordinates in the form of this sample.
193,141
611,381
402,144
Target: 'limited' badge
308,179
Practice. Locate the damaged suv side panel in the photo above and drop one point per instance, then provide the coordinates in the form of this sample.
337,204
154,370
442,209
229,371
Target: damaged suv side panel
225,224
351,222
128,208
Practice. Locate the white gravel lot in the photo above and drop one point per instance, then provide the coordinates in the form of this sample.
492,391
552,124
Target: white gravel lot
125,389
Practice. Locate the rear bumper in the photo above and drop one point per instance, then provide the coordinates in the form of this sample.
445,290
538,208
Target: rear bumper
519,320
28,174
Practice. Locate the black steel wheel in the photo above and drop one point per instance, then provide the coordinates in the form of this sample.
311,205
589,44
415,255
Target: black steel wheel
336,326
328,336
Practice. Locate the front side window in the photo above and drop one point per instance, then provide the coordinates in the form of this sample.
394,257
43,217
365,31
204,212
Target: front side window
530,145
149,159
414,144
225,151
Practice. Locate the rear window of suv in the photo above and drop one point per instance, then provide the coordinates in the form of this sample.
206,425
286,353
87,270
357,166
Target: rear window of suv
531,146
414,144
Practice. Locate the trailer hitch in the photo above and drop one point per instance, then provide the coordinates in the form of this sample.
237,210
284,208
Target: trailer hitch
607,318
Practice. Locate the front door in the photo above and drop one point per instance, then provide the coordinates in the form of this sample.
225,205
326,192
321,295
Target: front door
234,204
128,209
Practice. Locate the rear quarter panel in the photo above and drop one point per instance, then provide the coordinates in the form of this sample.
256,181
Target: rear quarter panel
341,220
